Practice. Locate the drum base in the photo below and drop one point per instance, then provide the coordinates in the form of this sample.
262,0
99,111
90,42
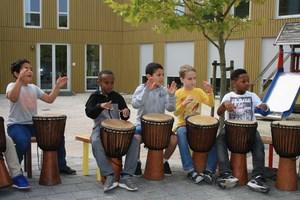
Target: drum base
5,180
116,164
154,169
50,172
200,159
286,174
239,167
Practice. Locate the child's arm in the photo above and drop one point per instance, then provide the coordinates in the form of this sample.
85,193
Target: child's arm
181,104
124,111
49,98
93,108
13,94
226,105
171,99
207,97
140,96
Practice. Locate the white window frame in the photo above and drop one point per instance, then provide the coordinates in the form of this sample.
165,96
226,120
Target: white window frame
68,15
232,11
24,15
283,16
85,65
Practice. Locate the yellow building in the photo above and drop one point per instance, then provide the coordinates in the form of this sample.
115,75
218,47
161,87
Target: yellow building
78,38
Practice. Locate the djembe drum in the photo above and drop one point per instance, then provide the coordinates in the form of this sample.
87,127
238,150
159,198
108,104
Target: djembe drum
286,141
116,136
201,135
5,179
49,134
240,136
156,133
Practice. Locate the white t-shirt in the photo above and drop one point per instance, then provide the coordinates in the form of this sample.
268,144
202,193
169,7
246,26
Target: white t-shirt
21,112
245,105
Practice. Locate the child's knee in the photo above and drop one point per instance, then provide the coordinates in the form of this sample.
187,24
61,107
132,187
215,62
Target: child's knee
173,140
138,138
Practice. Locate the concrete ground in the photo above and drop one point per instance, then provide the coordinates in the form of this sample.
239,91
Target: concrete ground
86,187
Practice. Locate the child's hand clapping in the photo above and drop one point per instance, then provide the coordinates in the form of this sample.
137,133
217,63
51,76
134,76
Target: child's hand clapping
106,105
207,87
125,112
187,100
150,84
61,81
172,88
229,106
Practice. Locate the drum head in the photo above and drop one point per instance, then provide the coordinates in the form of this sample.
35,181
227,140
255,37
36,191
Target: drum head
49,116
157,117
202,120
117,124
287,123
241,122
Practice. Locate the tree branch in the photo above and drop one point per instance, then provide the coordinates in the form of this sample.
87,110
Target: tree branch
229,8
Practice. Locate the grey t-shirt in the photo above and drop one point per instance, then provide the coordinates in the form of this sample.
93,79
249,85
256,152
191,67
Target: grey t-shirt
21,112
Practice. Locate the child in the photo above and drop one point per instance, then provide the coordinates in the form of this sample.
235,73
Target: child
19,180
152,97
240,105
188,102
23,95
108,104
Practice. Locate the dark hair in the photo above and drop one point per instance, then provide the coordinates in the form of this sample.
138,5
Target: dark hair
236,73
16,66
151,68
106,72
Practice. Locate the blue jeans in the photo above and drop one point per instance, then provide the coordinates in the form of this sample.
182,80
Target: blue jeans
21,135
186,158
257,150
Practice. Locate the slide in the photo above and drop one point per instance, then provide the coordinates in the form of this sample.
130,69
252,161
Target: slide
281,95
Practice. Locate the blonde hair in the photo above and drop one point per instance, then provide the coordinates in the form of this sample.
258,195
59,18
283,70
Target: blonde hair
184,69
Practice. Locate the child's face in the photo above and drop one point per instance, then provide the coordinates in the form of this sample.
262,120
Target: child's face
157,77
26,73
189,81
106,83
242,84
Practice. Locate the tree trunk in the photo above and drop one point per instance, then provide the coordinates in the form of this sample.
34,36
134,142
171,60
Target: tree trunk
223,87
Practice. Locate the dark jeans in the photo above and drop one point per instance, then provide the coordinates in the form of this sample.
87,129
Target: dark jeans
21,135
257,150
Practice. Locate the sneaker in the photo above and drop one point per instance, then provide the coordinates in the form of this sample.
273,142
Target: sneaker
110,183
167,169
227,181
258,184
127,183
20,182
67,170
138,169
208,177
195,177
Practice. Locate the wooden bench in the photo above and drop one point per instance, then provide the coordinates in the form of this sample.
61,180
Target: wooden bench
268,140
85,139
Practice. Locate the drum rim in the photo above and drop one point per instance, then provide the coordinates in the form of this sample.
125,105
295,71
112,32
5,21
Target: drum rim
48,118
229,122
150,120
276,124
118,129
206,125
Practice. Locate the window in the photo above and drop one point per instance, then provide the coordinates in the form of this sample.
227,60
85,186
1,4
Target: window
180,9
93,63
288,8
63,14
242,10
32,13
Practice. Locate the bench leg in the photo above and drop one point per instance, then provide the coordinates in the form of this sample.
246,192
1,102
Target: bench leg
98,174
85,159
28,162
270,156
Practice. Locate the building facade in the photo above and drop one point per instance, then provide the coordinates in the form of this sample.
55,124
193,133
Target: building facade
78,38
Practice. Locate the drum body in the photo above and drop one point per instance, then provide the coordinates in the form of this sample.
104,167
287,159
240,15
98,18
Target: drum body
240,136
201,136
49,134
116,136
156,133
156,130
286,141
5,180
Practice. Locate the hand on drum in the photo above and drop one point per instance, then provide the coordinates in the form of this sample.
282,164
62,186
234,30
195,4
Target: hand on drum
207,87
172,88
61,81
151,84
125,112
106,105
229,106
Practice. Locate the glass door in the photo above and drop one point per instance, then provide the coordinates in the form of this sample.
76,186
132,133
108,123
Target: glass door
53,61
